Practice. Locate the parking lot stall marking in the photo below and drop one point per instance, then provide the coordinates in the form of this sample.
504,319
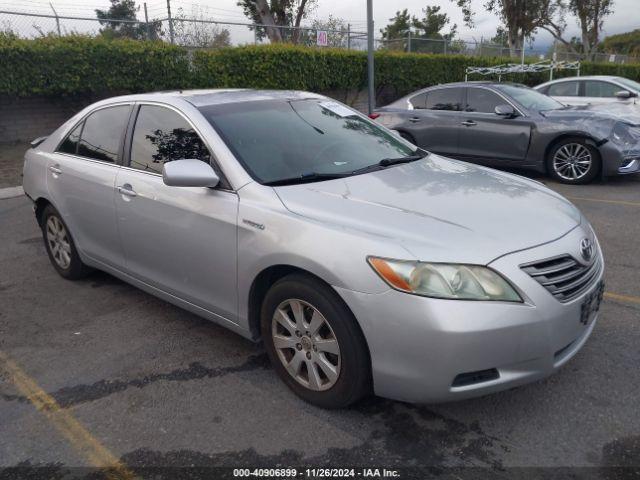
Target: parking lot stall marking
622,298
604,200
77,435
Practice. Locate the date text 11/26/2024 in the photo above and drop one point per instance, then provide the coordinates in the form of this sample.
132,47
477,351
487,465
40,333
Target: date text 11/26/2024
312,473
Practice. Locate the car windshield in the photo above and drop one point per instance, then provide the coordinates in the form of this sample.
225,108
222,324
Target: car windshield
635,86
276,140
530,99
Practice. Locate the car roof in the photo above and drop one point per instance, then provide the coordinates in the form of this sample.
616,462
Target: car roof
583,77
207,97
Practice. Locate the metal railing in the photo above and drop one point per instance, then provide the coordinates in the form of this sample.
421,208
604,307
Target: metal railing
203,32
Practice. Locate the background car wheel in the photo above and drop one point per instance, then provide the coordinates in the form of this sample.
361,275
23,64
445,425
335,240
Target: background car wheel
314,342
574,161
60,247
408,137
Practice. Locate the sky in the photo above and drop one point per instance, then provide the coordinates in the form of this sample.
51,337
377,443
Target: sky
626,14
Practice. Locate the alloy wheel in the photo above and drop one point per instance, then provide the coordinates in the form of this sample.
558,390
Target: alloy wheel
572,161
58,241
306,344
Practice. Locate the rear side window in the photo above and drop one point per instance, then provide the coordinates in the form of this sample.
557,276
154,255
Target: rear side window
162,135
102,133
564,89
419,102
480,100
600,89
70,144
445,99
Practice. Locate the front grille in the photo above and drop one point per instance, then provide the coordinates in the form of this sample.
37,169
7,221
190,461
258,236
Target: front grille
564,277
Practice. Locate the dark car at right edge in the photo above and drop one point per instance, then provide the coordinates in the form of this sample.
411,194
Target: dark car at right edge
513,126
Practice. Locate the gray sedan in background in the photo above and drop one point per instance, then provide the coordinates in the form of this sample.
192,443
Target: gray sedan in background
510,125
362,262
593,90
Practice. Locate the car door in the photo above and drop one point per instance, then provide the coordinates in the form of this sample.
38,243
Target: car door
567,92
435,119
81,176
181,240
599,92
487,137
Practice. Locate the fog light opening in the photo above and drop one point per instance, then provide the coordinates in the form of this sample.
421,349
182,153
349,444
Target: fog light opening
472,378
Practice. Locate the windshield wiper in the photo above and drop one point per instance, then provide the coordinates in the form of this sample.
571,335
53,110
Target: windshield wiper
306,178
387,162
315,176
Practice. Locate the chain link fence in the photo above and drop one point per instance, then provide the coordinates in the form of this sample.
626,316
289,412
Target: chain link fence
201,32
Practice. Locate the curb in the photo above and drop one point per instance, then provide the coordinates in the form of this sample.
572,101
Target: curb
11,192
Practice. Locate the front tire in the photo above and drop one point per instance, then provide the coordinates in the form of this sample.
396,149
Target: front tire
60,246
314,342
574,161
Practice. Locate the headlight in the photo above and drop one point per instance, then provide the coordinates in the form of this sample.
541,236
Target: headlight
625,135
444,280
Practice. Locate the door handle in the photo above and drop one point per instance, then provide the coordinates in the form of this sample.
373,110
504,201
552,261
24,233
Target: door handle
414,119
55,169
127,190
469,123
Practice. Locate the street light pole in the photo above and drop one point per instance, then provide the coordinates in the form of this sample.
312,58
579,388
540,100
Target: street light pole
370,46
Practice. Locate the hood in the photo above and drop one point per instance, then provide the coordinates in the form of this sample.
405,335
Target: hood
439,209
608,113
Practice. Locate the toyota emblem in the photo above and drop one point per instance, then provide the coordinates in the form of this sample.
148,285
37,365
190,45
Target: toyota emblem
586,249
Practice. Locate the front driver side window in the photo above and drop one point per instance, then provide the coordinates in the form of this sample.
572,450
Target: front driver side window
162,135
481,100
601,89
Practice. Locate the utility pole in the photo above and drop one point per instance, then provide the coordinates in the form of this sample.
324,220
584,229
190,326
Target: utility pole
57,19
409,41
370,46
170,21
348,36
146,21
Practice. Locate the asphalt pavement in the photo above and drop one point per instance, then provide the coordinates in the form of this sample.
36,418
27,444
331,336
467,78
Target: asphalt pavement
98,372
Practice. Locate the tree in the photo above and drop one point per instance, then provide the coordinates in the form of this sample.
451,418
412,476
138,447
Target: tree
121,10
521,18
398,27
430,27
193,32
623,43
500,38
396,33
276,14
591,15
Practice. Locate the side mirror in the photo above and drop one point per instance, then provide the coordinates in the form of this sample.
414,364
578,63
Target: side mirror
505,110
189,173
625,94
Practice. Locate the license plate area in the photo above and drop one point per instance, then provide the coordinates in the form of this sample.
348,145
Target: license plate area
591,304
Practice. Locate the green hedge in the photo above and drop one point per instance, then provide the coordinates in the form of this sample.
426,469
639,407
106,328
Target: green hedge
81,65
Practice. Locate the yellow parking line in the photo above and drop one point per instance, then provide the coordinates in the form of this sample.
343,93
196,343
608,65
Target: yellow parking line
602,200
77,435
622,298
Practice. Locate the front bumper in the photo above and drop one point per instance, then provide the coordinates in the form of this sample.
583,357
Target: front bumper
419,345
619,162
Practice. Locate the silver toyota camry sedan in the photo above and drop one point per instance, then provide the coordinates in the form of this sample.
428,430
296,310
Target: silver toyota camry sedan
363,263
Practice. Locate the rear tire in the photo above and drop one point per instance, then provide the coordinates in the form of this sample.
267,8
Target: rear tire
314,342
60,246
574,161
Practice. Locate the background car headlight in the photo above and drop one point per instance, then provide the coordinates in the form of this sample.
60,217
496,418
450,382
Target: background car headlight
444,280
625,135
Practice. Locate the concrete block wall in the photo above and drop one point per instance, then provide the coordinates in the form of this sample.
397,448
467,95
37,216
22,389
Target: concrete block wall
23,119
